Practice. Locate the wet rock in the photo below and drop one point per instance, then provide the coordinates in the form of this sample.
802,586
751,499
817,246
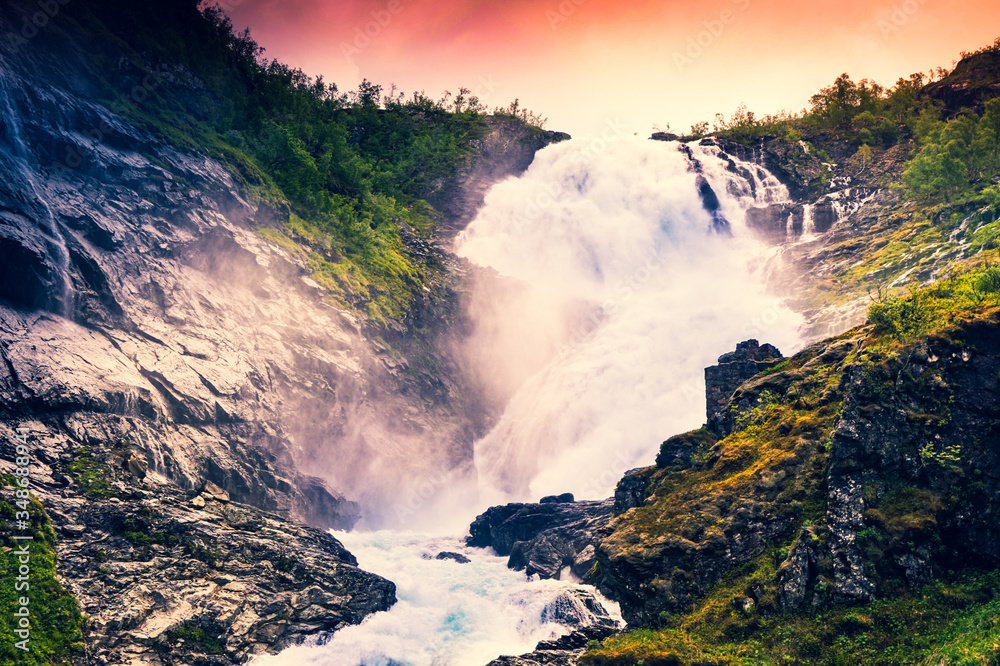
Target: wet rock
556,499
734,368
578,608
457,557
564,651
543,538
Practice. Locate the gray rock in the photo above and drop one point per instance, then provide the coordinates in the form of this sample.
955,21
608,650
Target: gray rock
457,557
734,368
543,538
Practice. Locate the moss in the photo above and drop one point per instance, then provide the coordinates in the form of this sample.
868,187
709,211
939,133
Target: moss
92,476
197,639
54,614
776,368
948,622
280,239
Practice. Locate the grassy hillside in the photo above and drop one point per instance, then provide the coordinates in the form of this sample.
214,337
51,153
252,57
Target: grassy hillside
349,173
906,407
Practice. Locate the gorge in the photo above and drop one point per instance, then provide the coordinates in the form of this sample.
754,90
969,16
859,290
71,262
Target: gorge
271,350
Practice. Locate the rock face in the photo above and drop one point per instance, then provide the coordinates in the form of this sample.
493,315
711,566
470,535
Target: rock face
506,149
733,369
153,566
545,538
970,85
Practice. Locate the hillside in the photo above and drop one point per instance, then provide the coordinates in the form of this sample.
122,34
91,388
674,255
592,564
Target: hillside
845,512
224,314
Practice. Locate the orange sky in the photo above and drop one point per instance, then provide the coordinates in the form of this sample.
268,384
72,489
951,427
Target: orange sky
591,64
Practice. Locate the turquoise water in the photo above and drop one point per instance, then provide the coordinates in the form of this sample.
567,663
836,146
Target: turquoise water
448,614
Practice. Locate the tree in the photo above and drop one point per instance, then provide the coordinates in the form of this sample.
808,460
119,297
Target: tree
988,137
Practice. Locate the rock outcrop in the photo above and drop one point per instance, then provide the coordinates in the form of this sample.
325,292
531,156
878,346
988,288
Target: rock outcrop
543,539
167,577
563,651
734,368
577,609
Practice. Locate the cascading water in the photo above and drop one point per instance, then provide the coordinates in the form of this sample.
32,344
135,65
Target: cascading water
448,614
624,229
670,285
15,148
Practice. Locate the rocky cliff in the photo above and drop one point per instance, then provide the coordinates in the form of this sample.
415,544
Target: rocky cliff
164,345
856,482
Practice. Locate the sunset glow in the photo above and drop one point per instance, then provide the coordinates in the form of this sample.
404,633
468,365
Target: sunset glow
582,63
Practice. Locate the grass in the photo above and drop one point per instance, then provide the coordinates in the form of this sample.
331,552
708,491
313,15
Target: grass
949,622
198,639
927,309
54,614
92,476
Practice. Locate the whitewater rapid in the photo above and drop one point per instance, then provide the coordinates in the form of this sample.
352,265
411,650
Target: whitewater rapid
448,614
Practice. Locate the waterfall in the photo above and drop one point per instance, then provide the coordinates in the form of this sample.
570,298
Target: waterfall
622,228
15,148
808,223
639,272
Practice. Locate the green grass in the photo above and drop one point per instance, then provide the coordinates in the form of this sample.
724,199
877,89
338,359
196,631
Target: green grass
54,614
926,309
92,476
197,639
949,622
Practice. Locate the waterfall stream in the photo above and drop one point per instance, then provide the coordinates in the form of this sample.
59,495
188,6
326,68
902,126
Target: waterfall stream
15,148
625,230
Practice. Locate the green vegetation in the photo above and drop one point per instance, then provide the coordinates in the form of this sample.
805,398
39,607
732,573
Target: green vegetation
357,169
55,617
927,308
92,476
137,533
957,159
198,639
949,622
861,113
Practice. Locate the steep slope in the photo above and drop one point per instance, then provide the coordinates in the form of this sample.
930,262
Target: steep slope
852,485
153,299
190,375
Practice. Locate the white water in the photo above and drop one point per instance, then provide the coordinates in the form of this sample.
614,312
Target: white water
17,150
624,229
448,614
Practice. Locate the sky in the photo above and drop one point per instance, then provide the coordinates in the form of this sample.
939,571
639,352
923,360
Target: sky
609,67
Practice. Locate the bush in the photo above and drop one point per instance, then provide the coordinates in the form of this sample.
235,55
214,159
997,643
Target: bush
901,318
